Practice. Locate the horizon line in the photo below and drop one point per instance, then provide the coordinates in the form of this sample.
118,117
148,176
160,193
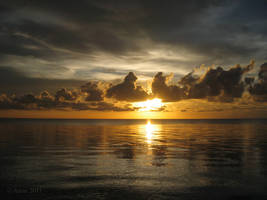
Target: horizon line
1,118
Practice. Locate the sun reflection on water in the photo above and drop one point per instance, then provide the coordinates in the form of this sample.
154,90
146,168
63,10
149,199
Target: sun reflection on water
151,131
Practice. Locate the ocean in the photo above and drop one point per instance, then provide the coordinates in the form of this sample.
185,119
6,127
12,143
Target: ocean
133,159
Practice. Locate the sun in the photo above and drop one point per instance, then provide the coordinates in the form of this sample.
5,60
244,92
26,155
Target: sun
149,105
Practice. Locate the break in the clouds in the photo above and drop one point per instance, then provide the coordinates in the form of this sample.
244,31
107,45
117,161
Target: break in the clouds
97,39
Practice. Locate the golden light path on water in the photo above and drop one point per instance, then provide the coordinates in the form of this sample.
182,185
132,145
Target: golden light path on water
151,131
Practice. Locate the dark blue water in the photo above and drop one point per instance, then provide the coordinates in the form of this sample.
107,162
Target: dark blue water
133,159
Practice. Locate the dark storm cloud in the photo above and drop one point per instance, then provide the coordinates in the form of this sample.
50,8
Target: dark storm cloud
166,92
47,101
212,28
92,91
215,85
127,90
51,26
226,84
162,16
64,94
209,27
12,44
13,81
82,12
259,89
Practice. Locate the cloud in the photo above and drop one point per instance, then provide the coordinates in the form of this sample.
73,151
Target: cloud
126,34
166,92
8,103
225,84
46,101
92,91
104,106
14,81
259,89
214,85
127,90
64,94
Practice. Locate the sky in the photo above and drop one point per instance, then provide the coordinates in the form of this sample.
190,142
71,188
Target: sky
99,58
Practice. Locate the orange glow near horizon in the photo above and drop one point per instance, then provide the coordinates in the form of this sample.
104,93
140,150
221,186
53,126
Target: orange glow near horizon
59,114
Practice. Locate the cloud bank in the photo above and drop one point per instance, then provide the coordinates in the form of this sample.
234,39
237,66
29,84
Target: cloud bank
215,84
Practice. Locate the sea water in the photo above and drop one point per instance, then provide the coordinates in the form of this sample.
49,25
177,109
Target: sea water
133,159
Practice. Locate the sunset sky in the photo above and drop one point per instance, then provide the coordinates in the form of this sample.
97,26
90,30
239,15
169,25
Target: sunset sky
133,59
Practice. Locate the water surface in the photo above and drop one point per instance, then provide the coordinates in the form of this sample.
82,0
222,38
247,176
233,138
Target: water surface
133,159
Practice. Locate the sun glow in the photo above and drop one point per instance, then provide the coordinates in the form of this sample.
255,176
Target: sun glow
149,105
